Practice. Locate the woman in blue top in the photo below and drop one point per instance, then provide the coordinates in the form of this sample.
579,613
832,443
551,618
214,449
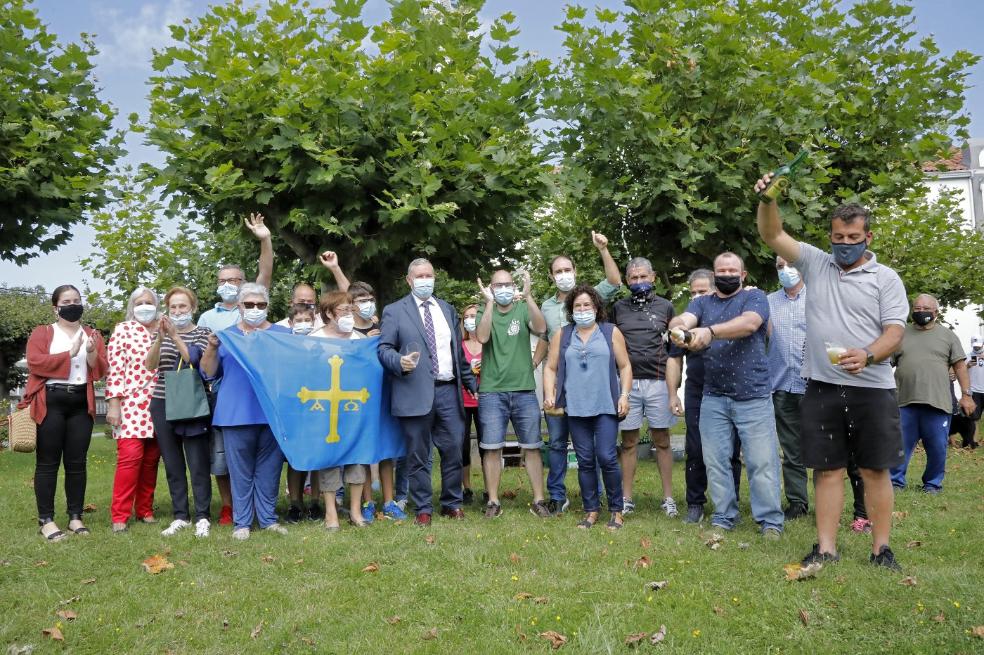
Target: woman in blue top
588,373
254,457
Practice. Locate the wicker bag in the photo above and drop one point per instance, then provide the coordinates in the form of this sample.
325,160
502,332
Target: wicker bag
23,431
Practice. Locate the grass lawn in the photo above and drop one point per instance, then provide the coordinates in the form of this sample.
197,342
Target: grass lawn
462,587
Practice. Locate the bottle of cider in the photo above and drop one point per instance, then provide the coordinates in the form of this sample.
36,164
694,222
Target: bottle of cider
780,179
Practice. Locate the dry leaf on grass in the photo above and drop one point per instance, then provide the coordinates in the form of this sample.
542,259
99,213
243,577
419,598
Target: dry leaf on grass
804,617
509,494
899,515
299,561
719,610
229,553
977,631
70,600
520,634
89,508
658,636
68,615
656,585
514,558
372,567
255,632
523,595
308,641
541,600
643,562
430,539
797,571
156,564
646,542
940,618
715,541
89,581
269,559
430,634
914,544
180,615
393,620
54,633
41,562
635,639
908,581
555,638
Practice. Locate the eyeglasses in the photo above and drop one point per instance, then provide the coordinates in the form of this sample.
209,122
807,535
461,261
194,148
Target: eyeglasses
230,280
502,285
255,305
304,305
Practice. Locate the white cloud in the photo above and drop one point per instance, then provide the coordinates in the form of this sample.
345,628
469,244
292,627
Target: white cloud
125,40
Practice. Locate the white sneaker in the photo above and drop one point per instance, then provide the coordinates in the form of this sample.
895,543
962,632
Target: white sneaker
240,534
276,527
176,525
669,506
627,506
202,528
402,504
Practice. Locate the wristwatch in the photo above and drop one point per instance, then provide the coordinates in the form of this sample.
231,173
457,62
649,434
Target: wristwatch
870,359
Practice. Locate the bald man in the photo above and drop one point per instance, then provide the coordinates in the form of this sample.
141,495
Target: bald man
922,372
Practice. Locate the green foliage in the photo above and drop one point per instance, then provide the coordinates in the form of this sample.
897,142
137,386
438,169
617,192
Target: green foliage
21,310
669,116
414,145
56,145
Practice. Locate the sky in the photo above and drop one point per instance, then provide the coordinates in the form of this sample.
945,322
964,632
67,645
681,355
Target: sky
127,30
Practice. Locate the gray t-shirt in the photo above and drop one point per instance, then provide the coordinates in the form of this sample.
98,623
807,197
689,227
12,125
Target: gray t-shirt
922,367
848,308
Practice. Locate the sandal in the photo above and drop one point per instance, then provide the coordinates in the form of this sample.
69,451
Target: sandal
81,530
57,535
358,524
331,528
586,523
614,524
120,528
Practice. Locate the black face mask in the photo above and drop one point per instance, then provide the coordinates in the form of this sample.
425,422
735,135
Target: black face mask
70,313
922,318
727,284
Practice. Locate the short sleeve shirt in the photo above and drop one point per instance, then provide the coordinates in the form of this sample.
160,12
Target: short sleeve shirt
196,340
555,314
507,362
922,367
736,368
643,326
849,309
219,318
975,365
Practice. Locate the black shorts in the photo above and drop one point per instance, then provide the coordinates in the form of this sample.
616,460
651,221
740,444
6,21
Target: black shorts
839,422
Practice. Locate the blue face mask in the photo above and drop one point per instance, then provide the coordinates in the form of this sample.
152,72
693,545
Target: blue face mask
641,288
789,277
367,308
423,287
585,318
846,254
504,295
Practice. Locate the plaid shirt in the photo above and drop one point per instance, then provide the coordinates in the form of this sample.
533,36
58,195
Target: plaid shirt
788,341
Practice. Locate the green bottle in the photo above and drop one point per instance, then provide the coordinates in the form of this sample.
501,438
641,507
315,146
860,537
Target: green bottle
780,179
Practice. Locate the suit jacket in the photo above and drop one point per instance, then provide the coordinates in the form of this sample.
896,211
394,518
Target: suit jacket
413,392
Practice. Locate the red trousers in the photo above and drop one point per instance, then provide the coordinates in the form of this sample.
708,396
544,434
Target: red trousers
136,478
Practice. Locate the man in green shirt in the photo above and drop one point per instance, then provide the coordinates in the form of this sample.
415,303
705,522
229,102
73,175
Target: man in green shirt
564,275
508,390
922,373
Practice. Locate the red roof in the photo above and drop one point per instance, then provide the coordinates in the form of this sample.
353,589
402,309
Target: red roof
953,162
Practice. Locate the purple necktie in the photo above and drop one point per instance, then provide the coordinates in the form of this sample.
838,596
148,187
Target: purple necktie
431,339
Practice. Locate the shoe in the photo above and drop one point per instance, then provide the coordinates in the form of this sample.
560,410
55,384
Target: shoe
119,528
540,509
861,525
276,527
293,514
627,506
80,528
932,491
795,511
315,512
225,515
56,535
240,534
358,524
558,507
493,510
149,519
369,511
202,528
456,514
614,523
695,514
886,558
402,504
771,534
669,506
422,520
176,525
816,557
393,512
467,496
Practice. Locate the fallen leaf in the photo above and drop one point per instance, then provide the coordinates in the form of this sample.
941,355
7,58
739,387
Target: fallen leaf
145,623
256,631
430,634
180,615
70,600
804,617
372,567
541,600
509,494
635,639
523,595
89,508
299,561
156,564
514,558
719,610
89,581
642,563
656,585
908,581
659,635
41,562
520,634
430,539
715,541
555,638
977,631
914,544
14,649
393,620
68,615
269,559
899,515
797,571
229,553
54,633
308,641
646,542
939,618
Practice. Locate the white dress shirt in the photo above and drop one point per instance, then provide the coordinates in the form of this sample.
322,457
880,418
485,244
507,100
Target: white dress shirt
442,337
62,343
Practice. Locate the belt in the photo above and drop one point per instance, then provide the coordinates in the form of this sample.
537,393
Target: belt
67,388
438,383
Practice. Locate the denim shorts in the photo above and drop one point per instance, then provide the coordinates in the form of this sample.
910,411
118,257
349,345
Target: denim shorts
217,456
497,408
649,398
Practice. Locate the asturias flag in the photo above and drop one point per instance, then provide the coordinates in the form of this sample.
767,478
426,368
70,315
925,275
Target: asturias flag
327,400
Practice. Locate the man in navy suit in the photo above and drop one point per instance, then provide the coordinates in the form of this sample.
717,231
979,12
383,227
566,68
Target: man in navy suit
420,346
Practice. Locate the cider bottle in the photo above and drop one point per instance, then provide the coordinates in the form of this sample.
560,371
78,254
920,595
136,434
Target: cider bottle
780,179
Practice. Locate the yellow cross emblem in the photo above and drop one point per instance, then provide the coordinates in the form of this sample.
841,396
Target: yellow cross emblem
335,397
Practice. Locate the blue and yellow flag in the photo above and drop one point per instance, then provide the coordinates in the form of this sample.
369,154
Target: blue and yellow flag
327,400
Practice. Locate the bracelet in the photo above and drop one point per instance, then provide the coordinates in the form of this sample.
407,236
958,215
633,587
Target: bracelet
711,330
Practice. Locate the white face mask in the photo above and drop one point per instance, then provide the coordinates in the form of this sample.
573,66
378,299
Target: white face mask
254,316
145,313
181,320
303,328
423,287
345,324
564,281
367,309
470,324
228,292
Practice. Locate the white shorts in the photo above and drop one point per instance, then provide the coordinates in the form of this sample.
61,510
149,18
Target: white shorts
649,398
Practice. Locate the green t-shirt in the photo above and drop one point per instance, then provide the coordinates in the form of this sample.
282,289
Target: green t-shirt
923,364
507,362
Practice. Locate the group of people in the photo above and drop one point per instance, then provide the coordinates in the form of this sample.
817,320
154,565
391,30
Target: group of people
806,376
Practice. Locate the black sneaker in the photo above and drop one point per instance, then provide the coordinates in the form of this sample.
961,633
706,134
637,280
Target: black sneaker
695,514
293,514
816,557
558,507
315,513
540,509
886,558
493,510
795,511
467,496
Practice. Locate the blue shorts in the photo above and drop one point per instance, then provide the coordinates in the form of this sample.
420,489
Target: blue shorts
497,408
217,456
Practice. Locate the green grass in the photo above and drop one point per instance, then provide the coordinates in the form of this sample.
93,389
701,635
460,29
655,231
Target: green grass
312,596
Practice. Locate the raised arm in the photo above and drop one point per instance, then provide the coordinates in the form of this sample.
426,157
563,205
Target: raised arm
264,273
484,329
612,274
538,324
329,260
770,227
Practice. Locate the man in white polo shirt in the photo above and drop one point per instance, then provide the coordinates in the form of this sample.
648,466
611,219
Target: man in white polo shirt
855,317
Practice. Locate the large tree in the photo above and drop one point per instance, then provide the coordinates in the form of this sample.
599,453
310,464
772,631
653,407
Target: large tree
382,142
669,111
56,140
21,310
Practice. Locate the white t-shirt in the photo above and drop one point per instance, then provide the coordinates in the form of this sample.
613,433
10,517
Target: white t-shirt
975,366
61,342
320,334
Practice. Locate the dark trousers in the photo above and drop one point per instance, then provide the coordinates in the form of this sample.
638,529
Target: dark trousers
181,454
440,428
857,488
471,418
63,436
794,478
594,439
696,473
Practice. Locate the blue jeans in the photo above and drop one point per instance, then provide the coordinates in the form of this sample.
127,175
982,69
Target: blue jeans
594,439
497,408
558,430
933,427
755,422
255,462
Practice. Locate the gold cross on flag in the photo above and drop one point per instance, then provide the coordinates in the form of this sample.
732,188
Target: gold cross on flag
335,397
